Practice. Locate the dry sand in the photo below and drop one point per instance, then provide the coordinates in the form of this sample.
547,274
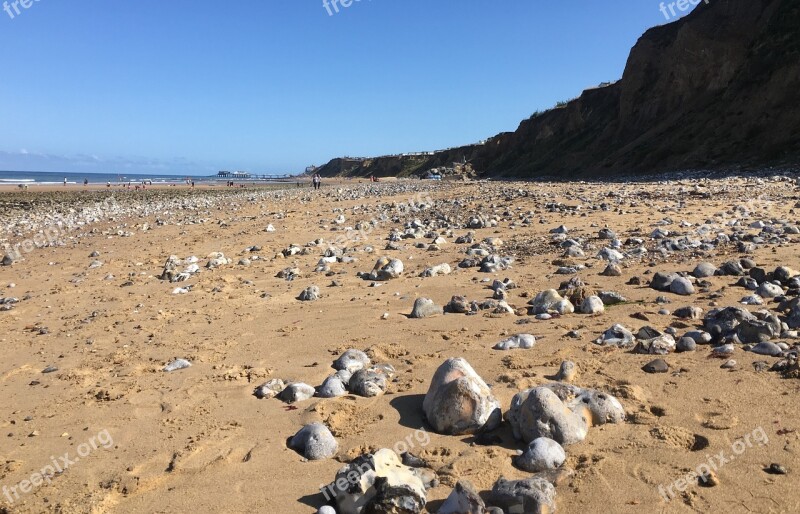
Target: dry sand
197,440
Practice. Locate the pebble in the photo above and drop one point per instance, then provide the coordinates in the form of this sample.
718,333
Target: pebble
176,365
540,455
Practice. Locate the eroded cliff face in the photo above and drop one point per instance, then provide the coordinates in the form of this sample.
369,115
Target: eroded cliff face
718,89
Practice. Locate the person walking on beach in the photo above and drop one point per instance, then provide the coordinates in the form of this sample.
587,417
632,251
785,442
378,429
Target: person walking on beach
317,180
65,181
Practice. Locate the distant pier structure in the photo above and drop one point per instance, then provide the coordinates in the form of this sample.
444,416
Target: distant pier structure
234,174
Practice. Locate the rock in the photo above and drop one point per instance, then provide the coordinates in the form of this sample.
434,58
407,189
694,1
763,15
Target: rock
352,361
731,268
464,499
314,442
752,300
176,365
607,234
368,383
593,305
686,344
425,308
533,495
434,271
704,270
326,509
296,392
459,401
269,389
784,274
332,387
522,341
550,301
8,260
595,407
386,269
767,348
682,286
617,336
540,455
309,294
567,372
539,412
612,270
457,305
611,298
378,483
769,290
663,281
689,313
656,366
660,345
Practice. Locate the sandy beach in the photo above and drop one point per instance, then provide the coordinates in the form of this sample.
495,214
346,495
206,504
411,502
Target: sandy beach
93,326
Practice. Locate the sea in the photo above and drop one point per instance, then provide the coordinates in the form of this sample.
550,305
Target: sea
49,178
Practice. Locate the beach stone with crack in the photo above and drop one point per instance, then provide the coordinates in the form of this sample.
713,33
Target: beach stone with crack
314,442
309,294
533,495
463,499
378,483
425,308
296,392
521,341
368,383
352,360
656,366
269,389
459,402
539,412
593,305
540,455
704,270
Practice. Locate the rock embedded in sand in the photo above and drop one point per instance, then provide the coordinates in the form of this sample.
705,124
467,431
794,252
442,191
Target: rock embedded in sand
269,389
617,336
682,286
435,271
550,301
378,483
704,270
464,499
533,495
767,348
332,387
314,442
8,260
567,372
656,366
176,365
459,401
521,341
309,294
368,383
385,269
540,455
593,305
612,270
352,361
425,308
297,392
539,412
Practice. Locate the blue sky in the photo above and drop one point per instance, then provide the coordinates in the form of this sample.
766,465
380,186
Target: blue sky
194,86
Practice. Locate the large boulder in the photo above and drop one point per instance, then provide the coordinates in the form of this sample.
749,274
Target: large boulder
459,401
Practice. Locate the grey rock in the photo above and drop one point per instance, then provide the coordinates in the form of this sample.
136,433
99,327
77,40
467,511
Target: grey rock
611,298
663,281
459,401
592,305
540,455
521,341
682,286
368,383
352,361
457,305
690,312
704,270
309,294
425,308
686,344
612,270
296,392
767,348
269,389
769,290
464,499
539,412
176,365
656,366
617,336
550,301
314,442
533,495
332,387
